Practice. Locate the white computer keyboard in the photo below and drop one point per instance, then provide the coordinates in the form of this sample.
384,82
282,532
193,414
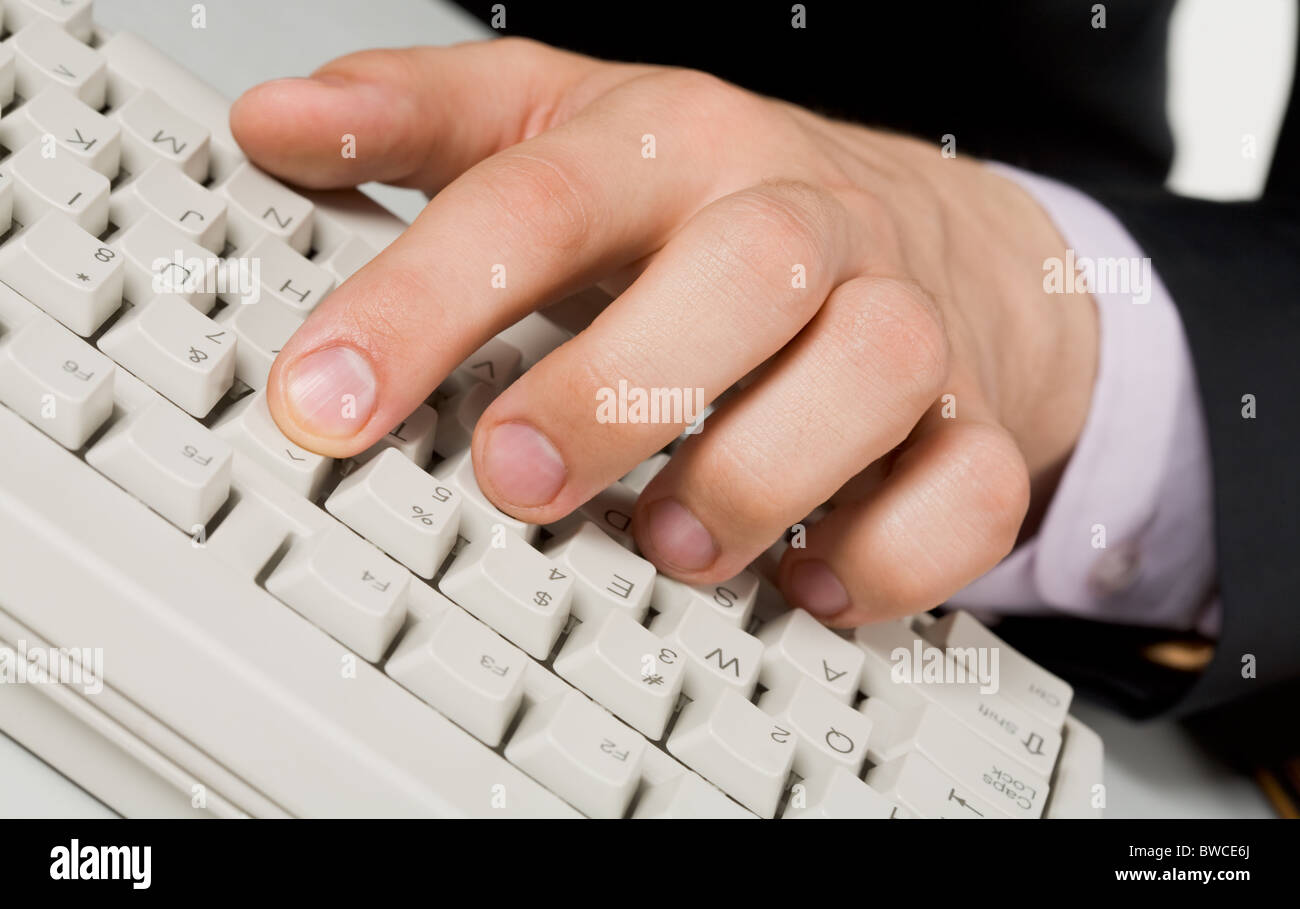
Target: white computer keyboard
283,634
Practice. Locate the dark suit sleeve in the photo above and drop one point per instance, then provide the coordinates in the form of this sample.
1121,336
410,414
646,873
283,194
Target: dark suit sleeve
1234,271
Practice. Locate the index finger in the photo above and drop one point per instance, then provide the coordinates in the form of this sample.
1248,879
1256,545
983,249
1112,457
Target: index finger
526,226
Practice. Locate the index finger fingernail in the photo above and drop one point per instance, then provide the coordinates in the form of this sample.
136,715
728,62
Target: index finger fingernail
523,465
331,392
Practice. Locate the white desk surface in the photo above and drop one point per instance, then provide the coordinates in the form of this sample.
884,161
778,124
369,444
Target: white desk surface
1152,770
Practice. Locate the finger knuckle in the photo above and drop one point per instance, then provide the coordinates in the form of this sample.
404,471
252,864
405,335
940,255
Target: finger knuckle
696,87
375,319
701,105
764,236
737,496
519,48
908,335
876,218
543,198
998,482
381,64
789,217
898,585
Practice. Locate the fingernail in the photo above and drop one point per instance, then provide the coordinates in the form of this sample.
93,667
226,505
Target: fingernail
678,536
331,392
522,465
815,588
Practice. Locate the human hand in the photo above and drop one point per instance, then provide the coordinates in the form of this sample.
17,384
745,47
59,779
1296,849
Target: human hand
922,280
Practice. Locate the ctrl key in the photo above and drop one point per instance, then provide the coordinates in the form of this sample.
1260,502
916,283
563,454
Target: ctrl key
169,461
56,381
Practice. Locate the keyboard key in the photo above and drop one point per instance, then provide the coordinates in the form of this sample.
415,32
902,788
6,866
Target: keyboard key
494,364
736,746
639,477
606,576
732,600
6,198
1078,774
167,460
457,417
45,54
346,587
1021,679
347,258
285,276
179,351
56,184
65,271
687,796
626,669
153,130
6,74
610,509
923,789
401,509
882,675
982,768
92,139
160,260
73,16
413,437
514,588
1020,733
249,427
839,795
797,646
261,331
56,381
889,729
580,753
259,205
479,518
828,733
465,670
535,336
188,209
718,656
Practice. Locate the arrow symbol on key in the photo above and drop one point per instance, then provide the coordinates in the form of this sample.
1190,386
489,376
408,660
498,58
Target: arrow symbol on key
492,373
954,797
831,674
293,456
